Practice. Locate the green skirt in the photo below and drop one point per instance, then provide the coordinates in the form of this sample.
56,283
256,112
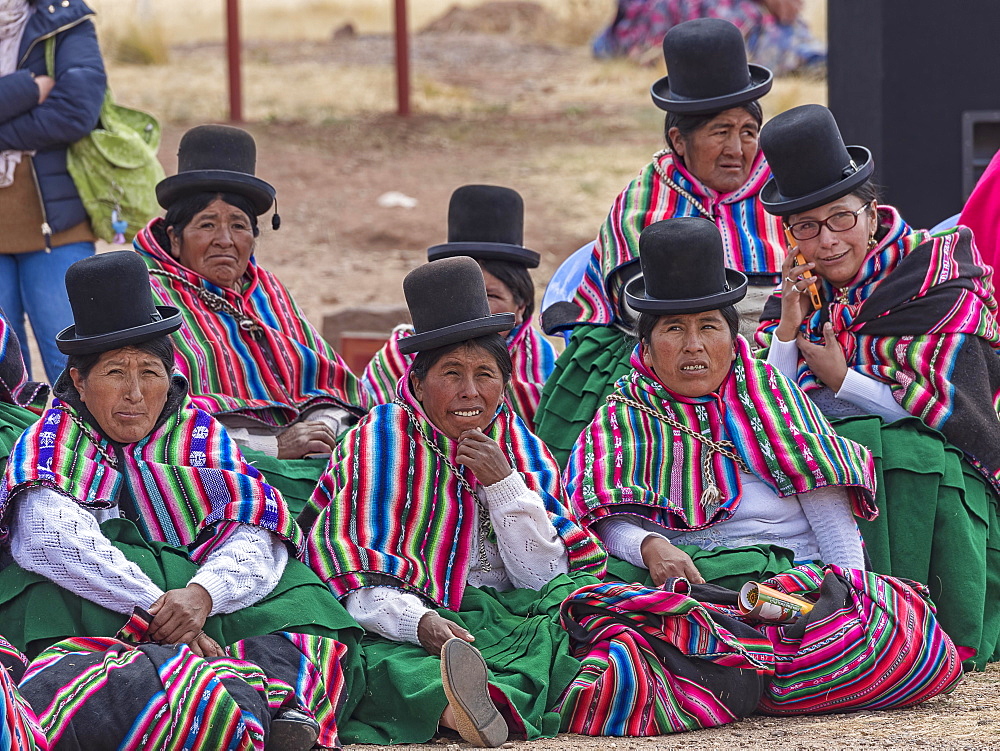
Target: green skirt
585,374
35,612
296,479
519,636
937,524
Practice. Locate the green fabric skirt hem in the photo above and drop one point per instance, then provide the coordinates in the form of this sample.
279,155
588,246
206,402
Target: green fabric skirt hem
937,524
295,479
36,612
526,650
585,373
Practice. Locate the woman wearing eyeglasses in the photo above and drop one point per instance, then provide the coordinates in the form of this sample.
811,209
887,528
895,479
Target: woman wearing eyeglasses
903,326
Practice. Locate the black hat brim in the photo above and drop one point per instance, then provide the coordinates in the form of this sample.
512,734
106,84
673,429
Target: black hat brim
487,252
636,297
70,344
260,192
761,80
779,205
457,332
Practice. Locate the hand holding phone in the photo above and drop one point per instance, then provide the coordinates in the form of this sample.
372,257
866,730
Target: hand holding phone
800,260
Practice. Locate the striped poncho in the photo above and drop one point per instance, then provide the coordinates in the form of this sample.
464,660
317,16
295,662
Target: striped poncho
920,316
531,354
185,483
751,238
629,462
389,511
250,352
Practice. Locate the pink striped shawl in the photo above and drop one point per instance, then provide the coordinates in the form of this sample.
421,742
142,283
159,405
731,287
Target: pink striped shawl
921,316
389,511
531,355
627,462
270,366
752,239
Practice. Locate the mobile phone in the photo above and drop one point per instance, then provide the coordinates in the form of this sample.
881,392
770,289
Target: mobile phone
800,260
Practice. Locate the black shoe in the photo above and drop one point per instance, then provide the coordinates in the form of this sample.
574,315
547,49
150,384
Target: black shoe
292,730
465,678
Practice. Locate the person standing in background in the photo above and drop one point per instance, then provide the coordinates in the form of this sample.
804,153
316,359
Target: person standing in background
43,225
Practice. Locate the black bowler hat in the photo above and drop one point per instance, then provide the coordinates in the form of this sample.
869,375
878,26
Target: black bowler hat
112,305
486,222
810,165
707,69
448,304
216,159
683,269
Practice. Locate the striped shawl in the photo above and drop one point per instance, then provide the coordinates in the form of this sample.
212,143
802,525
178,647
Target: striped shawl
752,238
14,385
628,462
920,316
19,730
389,511
268,365
189,484
531,354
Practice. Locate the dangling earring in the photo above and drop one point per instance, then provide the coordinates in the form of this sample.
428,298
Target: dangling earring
871,240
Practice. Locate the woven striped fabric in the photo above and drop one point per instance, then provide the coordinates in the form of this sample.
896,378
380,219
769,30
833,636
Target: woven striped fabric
270,365
752,239
19,730
14,385
628,462
920,316
531,354
107,693
183,478
656,661
871,642
388,509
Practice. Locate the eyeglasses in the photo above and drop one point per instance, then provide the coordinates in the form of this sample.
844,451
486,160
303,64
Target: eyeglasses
839,222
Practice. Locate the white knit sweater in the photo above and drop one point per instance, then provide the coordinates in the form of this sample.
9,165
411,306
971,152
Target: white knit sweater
818,525
61,540
528,554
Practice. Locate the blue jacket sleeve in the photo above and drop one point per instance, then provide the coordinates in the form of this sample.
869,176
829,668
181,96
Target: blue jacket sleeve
18,94
73,107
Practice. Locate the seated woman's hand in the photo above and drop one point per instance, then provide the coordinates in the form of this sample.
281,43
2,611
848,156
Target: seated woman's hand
434,630
179,616
304,438
483,456
826,360
795,302
665,560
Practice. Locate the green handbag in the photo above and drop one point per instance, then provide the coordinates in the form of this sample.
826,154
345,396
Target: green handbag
114,167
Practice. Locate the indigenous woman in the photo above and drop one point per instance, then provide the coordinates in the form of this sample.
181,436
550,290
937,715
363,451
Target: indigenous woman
441,521
123,498
903,328
711,168
486,223
705,462
20,399
250,356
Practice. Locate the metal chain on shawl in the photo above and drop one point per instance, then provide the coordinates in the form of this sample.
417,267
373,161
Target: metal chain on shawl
250,352
634,462
921,316
184,477
389,511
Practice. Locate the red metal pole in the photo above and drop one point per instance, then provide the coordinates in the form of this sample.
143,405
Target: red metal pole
402,61
233,49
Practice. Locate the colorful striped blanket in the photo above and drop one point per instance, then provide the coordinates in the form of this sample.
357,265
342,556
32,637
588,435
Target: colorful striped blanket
19,730
186,483
531,354
629,462
389,510
14,385
250,352
920,316
752,238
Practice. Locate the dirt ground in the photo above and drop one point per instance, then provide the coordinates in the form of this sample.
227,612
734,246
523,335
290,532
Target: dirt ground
564,130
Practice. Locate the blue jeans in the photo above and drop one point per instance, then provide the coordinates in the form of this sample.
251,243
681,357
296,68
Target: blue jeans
34,284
